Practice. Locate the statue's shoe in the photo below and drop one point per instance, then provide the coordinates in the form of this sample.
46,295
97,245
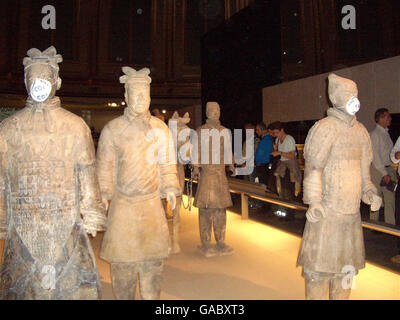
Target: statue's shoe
208,251
224,250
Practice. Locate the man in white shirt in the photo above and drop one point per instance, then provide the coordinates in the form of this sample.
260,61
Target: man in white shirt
395,157
381,168
286,148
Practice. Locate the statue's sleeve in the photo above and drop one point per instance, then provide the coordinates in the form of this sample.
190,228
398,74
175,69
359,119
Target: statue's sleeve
317,150
91,206
366,160
195,140
169,180
3,212
105,163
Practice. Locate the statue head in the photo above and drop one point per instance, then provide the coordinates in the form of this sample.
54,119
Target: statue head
181,121
137,89
41,73
343,94
213,111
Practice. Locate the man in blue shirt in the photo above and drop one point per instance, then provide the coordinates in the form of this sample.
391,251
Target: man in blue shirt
263,154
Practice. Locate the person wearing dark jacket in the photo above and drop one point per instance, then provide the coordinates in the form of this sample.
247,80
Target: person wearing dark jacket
263,154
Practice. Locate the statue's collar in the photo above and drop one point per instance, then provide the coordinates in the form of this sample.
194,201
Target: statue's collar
134,117
213,123
343,117
41,110
50,104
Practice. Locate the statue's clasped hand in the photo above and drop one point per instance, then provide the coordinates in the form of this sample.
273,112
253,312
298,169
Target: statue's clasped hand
315,212
171,198
371,198
92,232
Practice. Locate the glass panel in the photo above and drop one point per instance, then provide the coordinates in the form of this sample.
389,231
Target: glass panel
39,38
63,36
119,31
201,16
65,32
292,40
348,39
141,20
371,46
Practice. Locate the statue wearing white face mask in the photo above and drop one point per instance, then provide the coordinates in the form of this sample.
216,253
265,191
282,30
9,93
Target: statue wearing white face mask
48,177
337,157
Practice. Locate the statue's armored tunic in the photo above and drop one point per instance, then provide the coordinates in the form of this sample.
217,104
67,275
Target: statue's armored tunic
213,189
48,181
137,228
337,156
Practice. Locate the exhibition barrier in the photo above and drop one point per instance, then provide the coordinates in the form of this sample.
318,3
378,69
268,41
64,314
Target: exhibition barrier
258,191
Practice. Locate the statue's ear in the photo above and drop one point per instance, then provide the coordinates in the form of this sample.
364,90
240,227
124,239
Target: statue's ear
186,115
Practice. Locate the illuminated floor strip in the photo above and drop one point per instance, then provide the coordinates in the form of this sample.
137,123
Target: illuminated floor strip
263,267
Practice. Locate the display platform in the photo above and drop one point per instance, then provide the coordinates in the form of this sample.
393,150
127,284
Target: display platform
262,268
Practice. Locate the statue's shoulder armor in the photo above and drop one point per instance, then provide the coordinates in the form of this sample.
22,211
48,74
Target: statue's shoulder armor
73,119
117,125
14,119
360,127
158,123
12,124
327,124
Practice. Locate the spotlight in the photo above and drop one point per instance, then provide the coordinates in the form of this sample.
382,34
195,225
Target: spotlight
164,111
280,213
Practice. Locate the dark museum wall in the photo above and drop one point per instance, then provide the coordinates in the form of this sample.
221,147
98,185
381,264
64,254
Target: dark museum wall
98,37
278,41
247,45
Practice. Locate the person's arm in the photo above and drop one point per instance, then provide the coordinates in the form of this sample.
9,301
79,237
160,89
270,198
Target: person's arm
288,155
262,152
290,142
377,154
395,153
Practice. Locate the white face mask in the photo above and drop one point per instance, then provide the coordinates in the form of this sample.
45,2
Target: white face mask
40,90
352,106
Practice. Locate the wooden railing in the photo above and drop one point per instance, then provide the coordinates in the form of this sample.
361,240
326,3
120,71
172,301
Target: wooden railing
258,191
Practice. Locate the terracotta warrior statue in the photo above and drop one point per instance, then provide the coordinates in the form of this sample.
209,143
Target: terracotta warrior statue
177,125
337,157
136,168
212,195
50,198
